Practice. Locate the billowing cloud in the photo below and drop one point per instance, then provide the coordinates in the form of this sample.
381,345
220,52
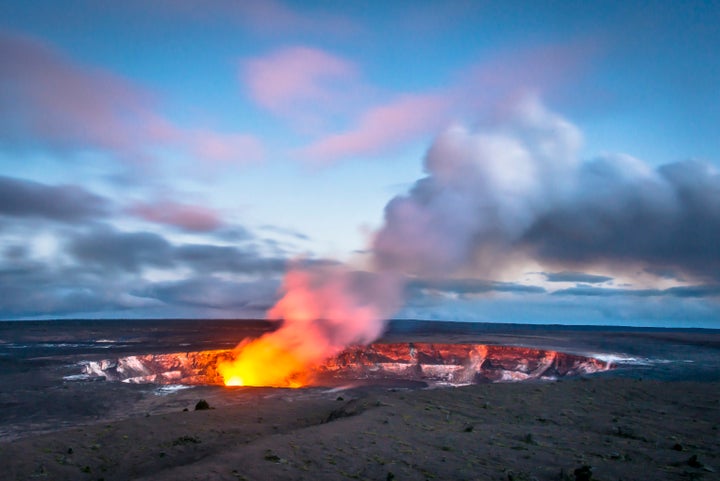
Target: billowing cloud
483,191
67,203
193,218
623,211
518,191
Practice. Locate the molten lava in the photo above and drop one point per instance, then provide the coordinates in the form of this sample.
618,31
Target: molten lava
263,362
324,310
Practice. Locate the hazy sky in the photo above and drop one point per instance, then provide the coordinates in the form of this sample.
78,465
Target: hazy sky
531,161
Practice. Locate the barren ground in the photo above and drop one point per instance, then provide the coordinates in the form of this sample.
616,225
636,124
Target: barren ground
623,428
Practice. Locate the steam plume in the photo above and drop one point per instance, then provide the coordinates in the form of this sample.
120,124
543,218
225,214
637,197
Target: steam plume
518,190
482,192
324,309
513,191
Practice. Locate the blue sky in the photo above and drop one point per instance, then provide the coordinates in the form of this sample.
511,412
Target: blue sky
507,161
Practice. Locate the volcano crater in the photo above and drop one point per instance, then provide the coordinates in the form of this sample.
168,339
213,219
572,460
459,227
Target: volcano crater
428,364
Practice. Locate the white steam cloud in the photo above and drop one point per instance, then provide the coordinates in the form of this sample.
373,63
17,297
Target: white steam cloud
483,191
512,191
519,190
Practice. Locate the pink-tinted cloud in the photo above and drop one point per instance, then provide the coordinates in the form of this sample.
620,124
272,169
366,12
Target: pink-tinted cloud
51,101
382,127
46,97
296,77
187,217
492,86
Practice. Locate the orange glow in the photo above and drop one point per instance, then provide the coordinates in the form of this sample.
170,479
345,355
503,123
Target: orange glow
263,362
324,310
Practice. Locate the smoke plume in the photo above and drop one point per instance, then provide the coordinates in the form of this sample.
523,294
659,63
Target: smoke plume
483,191
514,191
519,190
323,310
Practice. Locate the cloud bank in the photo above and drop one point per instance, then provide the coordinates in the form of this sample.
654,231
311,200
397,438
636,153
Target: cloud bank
518,191
60,254
68,203
510,193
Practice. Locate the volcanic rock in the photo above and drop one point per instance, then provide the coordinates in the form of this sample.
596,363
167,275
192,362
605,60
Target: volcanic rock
418,364
583,473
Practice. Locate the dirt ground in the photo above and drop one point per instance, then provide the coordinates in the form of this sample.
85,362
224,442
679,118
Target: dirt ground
580,429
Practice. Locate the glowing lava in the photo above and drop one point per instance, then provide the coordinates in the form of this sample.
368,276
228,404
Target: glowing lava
324,309
263,362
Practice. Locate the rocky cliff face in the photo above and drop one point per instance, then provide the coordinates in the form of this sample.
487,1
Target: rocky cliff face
453,364
456,363
191,368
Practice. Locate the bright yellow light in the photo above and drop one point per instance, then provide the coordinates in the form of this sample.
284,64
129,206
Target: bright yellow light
234,381
263,362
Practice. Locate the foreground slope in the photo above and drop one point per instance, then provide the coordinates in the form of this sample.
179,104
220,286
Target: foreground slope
623,428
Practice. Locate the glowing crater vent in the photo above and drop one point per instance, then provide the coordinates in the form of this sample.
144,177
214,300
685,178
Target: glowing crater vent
433,364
